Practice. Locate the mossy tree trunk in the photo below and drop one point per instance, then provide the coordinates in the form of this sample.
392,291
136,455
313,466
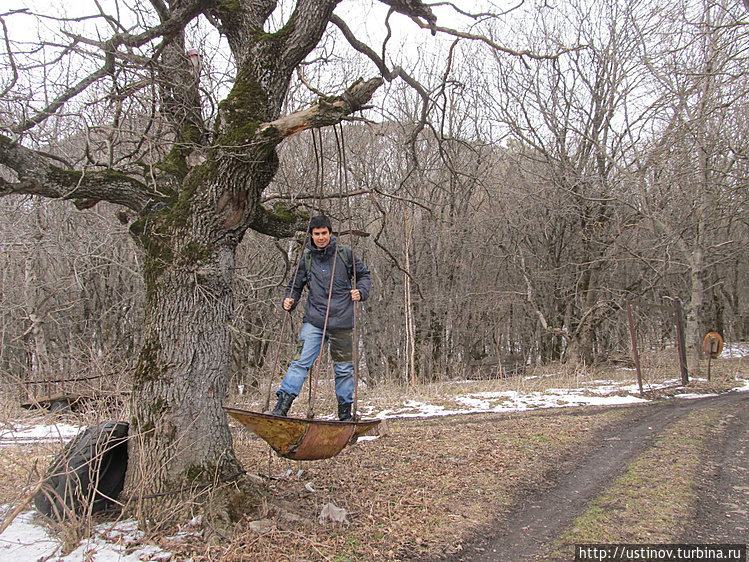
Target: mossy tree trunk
179,430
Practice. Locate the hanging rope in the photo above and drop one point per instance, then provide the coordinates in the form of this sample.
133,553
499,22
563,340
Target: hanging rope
314,373
313,392
300,253
342,176
344,167
410,338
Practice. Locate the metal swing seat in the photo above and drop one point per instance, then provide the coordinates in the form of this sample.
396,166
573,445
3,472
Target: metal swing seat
303,439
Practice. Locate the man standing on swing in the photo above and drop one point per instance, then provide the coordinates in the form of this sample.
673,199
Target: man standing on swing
329,311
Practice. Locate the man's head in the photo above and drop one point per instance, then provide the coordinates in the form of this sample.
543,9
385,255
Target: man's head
320,230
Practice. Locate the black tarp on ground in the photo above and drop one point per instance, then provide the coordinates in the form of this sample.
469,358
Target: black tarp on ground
88,472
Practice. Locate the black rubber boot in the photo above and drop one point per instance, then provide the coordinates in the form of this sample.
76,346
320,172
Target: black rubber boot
283,404
344,412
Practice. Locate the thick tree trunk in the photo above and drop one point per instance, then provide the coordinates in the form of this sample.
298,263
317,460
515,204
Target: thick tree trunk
179,433
694,312
580,352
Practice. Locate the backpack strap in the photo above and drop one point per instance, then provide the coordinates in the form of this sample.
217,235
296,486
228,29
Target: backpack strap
346,261
343,255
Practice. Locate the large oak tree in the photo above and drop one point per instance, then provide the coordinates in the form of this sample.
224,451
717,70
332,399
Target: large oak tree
189,196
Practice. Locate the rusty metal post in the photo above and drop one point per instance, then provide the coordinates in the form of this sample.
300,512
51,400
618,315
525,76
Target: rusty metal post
681,342
635,354
713,346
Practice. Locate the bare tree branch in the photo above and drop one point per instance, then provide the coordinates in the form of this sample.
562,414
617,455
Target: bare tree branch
323,114
66,96
168,29
493,44
415,9
38,177
389,75
11,60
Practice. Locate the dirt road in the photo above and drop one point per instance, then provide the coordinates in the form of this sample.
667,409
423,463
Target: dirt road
722,513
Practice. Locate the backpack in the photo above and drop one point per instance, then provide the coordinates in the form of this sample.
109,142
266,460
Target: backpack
341,253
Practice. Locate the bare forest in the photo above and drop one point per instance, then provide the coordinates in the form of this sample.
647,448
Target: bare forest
511,178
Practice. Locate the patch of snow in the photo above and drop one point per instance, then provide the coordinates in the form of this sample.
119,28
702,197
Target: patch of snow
735,350
744,388
26,539
532,377
38,433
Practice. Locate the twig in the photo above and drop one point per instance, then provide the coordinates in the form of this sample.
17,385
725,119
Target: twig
21,506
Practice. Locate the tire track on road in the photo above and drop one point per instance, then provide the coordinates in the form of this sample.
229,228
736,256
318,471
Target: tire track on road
539,518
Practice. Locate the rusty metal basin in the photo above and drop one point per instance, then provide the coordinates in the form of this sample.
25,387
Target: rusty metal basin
302,439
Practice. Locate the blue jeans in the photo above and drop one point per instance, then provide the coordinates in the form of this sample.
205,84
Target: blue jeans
310,342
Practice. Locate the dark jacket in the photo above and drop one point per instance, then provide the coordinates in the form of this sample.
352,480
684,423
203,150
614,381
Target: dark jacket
317,279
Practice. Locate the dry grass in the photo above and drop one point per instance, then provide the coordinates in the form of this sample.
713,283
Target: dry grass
416,493
23,465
